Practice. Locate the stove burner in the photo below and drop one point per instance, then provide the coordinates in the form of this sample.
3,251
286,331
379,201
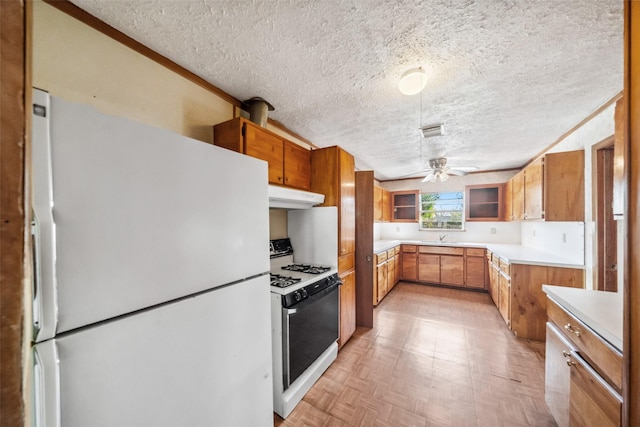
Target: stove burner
306,268
283,281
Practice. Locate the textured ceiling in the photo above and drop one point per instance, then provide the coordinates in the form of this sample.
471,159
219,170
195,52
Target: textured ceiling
507,78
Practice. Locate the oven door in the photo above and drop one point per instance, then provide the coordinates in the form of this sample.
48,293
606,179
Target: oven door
309,328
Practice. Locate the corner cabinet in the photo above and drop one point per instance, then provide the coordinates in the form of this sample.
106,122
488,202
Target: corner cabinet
289,163
484,202
405,206
550,188
333,174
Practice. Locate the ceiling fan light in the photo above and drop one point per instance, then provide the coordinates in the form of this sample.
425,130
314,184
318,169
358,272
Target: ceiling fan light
443,176
413,81
430,178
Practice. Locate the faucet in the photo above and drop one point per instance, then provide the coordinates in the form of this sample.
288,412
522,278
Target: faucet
442,237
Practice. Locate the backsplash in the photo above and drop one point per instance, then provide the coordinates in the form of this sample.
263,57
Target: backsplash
475,232
563,239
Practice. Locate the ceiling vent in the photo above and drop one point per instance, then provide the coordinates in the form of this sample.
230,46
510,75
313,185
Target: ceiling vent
432,130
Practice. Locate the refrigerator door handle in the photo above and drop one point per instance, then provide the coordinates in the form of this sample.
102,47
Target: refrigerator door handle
46,376
37,305
43,228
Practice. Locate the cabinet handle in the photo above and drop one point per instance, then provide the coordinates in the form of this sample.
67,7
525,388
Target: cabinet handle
566,353
570,328
570,362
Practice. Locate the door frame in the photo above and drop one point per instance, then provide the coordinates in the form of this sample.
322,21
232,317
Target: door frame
599,237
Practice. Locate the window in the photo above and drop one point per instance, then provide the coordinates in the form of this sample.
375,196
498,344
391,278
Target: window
442,211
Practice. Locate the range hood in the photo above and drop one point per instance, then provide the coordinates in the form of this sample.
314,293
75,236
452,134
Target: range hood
288,198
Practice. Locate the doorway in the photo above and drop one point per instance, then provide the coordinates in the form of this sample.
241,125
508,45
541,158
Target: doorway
606,227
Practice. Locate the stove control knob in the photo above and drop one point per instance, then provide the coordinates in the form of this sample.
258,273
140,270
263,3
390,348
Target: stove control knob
304,293
297,296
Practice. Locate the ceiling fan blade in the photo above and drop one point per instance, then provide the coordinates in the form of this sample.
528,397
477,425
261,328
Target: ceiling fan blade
455,172
418,174
431,177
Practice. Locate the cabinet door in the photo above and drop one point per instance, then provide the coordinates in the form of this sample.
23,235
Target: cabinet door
386,206
382,280
592,402
452,270
347,219
494,289
533,190
504,297
517,196
619,148
557,375
475,272
409,266
564,186
508,201
268,147
347,307
297,166
429,268
391,273
377,203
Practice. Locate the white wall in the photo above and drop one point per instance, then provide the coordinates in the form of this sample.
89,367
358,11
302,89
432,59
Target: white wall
563,239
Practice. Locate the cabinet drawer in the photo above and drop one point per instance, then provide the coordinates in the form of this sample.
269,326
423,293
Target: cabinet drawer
391,253
382,256
396,250
504,266
489,255
447,250
604,358
475,252
409,248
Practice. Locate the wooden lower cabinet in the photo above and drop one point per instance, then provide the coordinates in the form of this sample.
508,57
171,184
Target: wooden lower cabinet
429,268
347,307
475,268
385,274
452,270
504,296
577,392
409,262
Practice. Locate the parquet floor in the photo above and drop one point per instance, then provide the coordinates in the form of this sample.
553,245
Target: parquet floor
435,357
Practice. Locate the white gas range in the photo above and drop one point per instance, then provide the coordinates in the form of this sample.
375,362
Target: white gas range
305,319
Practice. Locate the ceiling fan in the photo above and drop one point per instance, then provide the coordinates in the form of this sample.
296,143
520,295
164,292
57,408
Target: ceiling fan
440,170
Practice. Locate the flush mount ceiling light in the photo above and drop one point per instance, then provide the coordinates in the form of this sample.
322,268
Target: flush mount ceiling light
413,81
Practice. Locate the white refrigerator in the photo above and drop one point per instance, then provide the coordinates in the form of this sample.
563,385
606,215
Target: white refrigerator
151,297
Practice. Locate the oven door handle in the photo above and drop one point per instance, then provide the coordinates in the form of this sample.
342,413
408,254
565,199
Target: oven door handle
313,298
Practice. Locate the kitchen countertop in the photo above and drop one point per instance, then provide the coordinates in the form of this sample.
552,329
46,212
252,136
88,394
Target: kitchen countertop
513,254
600,311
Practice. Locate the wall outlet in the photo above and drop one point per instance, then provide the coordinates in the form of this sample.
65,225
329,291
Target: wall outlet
534,232
397,229
493,230
564,237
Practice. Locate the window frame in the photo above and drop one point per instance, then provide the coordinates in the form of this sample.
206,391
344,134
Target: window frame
461,210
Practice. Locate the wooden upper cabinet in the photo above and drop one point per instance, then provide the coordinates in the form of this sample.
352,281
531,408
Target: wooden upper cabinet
297,165
405,206
289,163
564,193
333,174
517,196
484,202
550,188
508,201
381,208
534,190
268,147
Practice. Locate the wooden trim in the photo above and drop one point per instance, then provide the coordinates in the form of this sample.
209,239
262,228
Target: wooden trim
99,25
292,133
15,94
364,249
468,173
631,243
